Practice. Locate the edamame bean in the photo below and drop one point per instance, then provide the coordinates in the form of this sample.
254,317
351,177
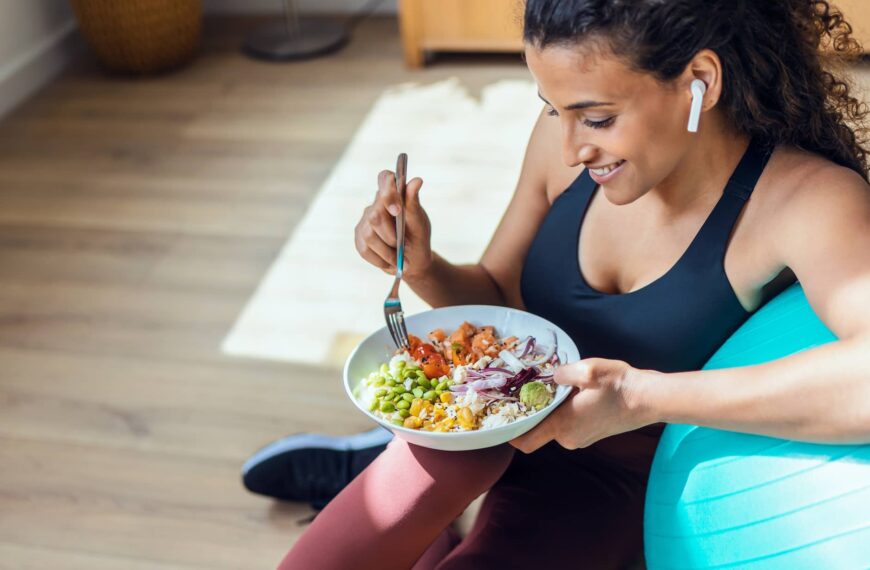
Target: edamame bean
441,386
430,395
390,382
399,422
403,413
399,389
374,405
387,407
423,383
418,392
403,404
380,392
408,397
385,368
400,365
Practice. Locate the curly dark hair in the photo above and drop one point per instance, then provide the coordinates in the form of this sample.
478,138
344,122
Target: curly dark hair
782,60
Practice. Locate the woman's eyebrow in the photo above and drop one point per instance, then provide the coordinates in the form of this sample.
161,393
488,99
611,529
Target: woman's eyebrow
580,105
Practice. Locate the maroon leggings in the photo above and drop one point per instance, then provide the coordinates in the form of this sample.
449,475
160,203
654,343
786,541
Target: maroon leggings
553,508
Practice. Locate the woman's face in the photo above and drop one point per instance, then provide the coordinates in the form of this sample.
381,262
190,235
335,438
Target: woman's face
625,127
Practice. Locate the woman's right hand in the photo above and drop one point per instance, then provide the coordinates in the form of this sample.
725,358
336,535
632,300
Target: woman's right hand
375,234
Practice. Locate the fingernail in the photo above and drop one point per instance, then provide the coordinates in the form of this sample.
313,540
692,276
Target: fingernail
393,209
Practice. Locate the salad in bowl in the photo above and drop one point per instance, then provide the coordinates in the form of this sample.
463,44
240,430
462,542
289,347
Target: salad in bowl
474,376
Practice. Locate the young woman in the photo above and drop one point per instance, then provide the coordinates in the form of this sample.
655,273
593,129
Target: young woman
650,245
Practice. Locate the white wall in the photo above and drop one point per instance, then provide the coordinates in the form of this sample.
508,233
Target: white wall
36,42
304,6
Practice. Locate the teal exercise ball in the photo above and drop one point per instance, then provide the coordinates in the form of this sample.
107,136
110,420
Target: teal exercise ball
720,499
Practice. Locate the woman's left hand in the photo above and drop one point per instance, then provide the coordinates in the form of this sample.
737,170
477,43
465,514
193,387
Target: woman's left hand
605,402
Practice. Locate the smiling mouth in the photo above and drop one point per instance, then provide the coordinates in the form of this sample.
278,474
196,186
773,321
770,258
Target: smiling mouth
604,170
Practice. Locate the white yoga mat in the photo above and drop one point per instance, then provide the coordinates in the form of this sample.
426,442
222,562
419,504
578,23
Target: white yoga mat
319,298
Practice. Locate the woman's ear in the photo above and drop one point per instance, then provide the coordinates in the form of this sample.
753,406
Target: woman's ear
707,67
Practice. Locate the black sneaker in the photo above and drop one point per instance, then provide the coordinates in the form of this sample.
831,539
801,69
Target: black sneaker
311,468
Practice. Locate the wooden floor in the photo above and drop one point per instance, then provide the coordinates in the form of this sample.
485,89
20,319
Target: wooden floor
136,219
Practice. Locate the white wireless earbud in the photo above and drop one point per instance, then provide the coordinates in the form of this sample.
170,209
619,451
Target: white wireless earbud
698,89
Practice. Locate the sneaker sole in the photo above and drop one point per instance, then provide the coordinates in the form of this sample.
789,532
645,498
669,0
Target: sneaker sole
371,438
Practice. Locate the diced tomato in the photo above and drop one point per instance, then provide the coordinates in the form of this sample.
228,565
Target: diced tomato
414,342
434,366
422,351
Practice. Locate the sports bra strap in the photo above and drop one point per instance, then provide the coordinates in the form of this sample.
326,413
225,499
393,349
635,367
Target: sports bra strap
748,171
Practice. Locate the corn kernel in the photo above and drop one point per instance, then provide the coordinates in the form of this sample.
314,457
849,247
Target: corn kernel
465,417
413,422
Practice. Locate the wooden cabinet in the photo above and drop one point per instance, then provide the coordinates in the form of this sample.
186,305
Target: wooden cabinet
496,25
459,25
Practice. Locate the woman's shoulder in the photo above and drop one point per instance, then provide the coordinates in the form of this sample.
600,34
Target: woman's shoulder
809,195
796,176
802,187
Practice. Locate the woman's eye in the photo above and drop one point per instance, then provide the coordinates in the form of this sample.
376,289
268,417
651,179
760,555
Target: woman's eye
591,124
599,124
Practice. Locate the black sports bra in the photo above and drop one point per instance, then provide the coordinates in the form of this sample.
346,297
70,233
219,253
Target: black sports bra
673,324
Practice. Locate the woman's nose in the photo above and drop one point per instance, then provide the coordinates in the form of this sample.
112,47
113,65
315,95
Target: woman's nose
575,152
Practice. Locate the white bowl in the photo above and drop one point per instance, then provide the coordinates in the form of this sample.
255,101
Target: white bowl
378,347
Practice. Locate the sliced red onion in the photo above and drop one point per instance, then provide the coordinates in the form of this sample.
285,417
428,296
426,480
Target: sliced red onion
478,385
512,362
498,396
529,345
491,371
548,354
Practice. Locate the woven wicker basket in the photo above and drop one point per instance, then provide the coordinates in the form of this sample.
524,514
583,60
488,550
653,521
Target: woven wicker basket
140,36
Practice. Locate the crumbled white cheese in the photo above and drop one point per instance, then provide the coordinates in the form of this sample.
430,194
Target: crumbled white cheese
472,399
460,374
505,414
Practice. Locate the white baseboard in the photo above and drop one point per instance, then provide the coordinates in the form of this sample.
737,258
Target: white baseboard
24,74
304,6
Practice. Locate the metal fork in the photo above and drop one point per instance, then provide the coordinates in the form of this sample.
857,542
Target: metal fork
392,307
